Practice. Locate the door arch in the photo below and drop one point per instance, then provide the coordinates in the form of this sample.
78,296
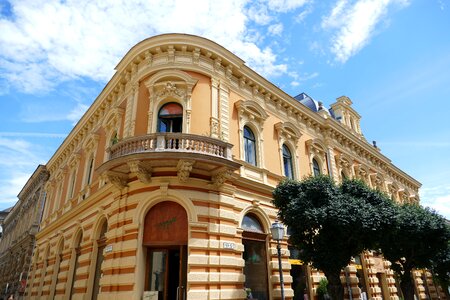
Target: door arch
165,238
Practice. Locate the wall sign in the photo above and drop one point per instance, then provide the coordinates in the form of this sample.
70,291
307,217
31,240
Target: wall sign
108,249
228,245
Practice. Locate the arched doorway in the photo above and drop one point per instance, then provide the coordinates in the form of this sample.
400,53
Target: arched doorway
255,257
165,237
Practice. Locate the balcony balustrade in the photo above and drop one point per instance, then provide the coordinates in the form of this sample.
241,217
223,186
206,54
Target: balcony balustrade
171,142
162,153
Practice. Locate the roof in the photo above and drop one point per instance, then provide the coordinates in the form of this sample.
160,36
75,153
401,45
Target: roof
312,104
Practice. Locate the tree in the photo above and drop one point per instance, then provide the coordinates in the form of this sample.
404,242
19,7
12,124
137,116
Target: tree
441,269
418,235
330,224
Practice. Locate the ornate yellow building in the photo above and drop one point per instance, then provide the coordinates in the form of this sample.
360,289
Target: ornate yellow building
163,188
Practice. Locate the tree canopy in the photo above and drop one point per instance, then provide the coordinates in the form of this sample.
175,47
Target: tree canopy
416,239
332,223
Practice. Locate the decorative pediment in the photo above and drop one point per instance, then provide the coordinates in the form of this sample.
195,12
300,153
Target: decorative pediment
287,131
344,163
251,111
91,142
174,83
316,147
362,172
113,118
74,159
378,182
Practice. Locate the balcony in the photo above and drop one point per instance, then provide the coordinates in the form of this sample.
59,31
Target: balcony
162,153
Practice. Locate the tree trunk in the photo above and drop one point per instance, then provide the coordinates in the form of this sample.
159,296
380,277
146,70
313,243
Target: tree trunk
407,285
335,288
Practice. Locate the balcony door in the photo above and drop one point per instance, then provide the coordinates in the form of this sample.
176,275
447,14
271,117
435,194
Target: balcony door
170,118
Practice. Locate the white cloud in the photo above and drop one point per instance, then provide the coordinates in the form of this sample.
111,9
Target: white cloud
285,5
302,16
354,23
276,29
19,160
33,134
50,41
438,198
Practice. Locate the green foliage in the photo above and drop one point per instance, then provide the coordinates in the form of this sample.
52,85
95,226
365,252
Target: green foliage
331,223
441,268
322,288
417,236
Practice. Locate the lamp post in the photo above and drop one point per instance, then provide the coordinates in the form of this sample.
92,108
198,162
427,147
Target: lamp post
277,231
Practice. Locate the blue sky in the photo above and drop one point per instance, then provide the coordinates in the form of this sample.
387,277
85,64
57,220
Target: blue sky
391,57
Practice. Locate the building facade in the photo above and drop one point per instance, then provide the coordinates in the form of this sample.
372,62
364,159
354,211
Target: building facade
163,188
19,229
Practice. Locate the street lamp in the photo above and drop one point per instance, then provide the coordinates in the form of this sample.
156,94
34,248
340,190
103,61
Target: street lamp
277,231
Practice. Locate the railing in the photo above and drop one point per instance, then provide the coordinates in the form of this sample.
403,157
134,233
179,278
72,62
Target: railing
171,142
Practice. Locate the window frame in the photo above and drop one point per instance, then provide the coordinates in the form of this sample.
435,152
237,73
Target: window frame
316,167
287,158
250,143
175,117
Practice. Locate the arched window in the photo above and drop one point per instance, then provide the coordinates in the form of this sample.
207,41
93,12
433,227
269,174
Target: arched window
90,170
101,243
249,146
255,257
287,163
59,256
343,176
75,263
170,118
114,139
73,177
316,168
44,270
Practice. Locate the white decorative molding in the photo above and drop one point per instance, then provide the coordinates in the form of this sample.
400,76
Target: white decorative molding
167,86
119,180
251,111
220,176
317,150
184,169
143,173
287,132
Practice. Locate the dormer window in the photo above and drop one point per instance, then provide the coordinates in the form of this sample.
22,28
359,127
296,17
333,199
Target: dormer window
170,118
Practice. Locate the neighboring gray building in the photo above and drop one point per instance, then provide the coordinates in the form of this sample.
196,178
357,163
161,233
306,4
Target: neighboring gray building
19,227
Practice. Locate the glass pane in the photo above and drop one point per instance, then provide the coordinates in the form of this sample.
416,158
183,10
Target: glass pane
255,270
250,223
171,109
248,134
158,272
287,162
250,154
316,168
